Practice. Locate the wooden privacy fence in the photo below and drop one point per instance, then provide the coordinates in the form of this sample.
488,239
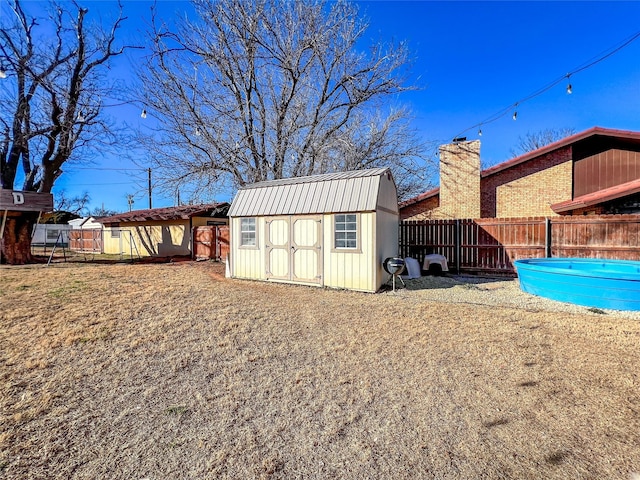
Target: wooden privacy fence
89,240
491,245
211,242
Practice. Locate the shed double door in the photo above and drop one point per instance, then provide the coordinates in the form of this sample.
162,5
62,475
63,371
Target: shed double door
294,249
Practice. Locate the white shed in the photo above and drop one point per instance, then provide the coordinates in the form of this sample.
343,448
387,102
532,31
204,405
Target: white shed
332,230
85,223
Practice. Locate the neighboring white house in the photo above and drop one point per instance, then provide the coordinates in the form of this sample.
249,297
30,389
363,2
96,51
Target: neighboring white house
85,223
48,234
332,230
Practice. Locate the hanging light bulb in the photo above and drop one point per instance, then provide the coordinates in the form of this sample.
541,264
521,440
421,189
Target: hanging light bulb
569,87
515,115
3,74
80,116
197,132
480,132
144,113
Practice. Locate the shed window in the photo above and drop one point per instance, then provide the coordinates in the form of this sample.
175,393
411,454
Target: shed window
346,231
248,232
115,233
52,234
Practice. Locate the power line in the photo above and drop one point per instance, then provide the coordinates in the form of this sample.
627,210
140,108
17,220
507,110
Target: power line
102,184
107,168
588,64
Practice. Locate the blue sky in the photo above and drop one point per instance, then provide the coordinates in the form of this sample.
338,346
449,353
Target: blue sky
472,59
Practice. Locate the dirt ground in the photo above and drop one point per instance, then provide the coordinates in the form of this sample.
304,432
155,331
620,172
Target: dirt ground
173,372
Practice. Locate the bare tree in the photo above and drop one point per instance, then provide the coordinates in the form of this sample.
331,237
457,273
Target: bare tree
52,108
76,205
103,212
269,89
536,140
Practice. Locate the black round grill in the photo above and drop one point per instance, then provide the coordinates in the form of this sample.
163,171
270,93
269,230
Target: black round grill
393,265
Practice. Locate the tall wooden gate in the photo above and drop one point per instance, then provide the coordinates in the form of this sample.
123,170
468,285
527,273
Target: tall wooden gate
210,242
89,240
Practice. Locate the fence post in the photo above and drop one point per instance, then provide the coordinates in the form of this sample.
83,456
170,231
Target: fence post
457,246
547,240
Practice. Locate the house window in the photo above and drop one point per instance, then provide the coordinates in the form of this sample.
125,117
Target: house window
248,232
115,233
346,231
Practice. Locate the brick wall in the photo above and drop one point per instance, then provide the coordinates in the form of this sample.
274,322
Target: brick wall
522,190
460,180
422,210
533,195
491,183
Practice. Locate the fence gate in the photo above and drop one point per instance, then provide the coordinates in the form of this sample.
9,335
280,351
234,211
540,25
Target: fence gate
89,240
210,242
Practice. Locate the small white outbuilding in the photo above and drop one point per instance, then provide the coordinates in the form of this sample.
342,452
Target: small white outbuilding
332,230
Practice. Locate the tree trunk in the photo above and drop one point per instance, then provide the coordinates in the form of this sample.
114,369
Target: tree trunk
15,247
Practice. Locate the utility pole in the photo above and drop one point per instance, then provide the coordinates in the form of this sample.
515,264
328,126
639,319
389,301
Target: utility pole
149,176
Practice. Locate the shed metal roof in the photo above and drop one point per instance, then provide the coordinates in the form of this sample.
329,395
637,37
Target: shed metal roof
354,191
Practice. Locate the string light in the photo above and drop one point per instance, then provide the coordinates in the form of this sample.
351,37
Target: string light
479,132
80,116
3,74
588,64
144,113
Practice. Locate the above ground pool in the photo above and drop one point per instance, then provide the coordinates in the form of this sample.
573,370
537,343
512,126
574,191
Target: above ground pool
590,282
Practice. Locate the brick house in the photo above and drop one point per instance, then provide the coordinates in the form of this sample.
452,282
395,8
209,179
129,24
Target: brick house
593,172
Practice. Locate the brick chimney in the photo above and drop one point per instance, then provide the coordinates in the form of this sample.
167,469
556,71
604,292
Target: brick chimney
460,179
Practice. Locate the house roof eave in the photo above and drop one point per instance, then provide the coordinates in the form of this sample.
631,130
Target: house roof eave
418,198
595,198
607,132
183,212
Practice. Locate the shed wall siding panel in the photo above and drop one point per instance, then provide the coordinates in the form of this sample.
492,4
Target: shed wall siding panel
387,243
351,270
248,262
388,195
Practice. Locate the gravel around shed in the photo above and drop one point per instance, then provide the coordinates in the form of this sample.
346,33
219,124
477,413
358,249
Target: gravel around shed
489,291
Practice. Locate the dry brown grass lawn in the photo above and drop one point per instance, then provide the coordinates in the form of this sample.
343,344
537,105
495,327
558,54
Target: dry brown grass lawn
171,371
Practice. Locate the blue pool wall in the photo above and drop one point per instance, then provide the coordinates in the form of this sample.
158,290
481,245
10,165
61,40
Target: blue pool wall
610,284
